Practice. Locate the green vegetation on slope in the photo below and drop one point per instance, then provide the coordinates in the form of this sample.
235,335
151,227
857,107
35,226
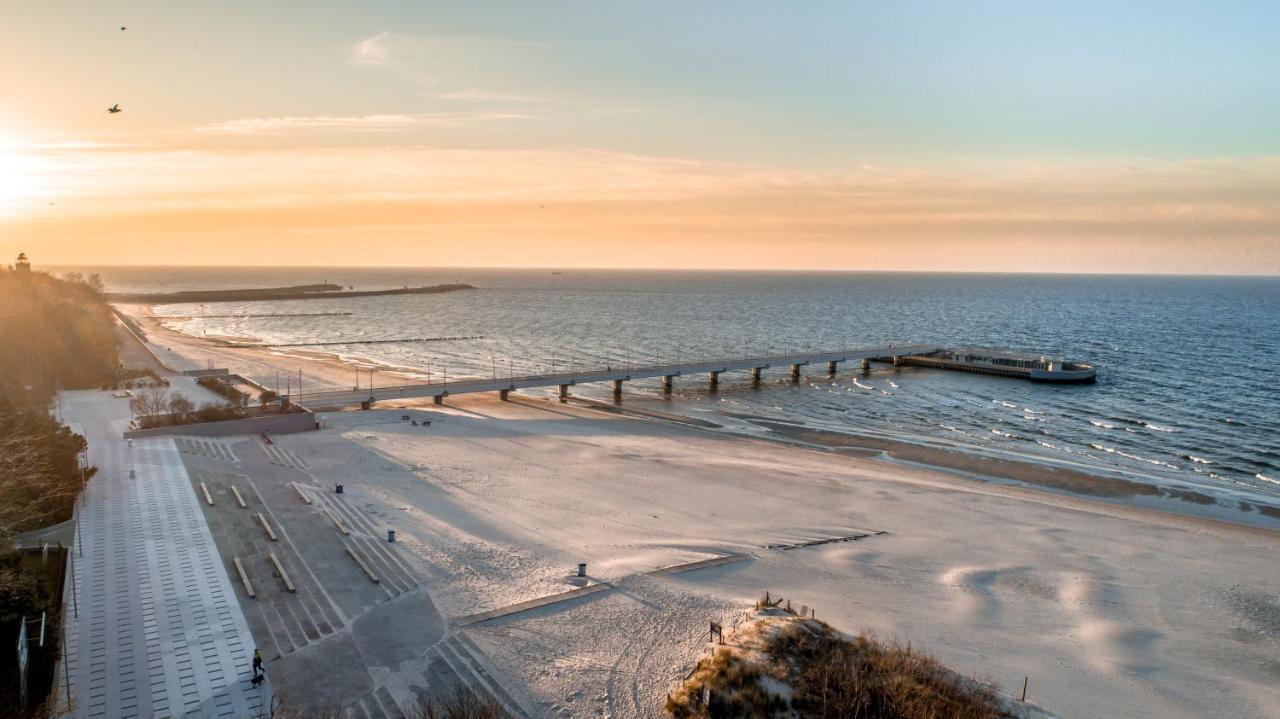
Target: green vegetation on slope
53,333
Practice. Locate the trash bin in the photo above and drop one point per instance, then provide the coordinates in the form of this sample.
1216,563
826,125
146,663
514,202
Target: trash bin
337,489
391,535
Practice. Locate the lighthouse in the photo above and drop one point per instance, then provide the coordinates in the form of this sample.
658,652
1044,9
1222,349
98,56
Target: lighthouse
23,264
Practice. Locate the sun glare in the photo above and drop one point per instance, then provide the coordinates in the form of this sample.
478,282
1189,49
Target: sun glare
15,179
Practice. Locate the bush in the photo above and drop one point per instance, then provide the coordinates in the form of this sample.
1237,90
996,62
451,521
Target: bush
221,386
830,676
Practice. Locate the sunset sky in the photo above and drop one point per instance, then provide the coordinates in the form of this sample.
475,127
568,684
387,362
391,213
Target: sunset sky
1109,137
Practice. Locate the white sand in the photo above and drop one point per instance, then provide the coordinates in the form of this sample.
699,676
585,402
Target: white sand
1111,611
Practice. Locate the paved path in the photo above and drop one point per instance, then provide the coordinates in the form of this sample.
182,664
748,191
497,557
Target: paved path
153,628
338,640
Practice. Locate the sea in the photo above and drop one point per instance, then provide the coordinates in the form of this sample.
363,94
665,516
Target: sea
1187,391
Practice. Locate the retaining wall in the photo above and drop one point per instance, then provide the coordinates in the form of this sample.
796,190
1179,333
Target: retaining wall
274,424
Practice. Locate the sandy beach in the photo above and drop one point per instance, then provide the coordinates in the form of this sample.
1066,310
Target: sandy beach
1110,610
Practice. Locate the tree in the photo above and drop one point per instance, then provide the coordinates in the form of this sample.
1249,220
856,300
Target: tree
150,402
180,406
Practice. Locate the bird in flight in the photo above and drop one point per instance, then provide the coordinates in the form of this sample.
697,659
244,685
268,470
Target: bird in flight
114,108
123,28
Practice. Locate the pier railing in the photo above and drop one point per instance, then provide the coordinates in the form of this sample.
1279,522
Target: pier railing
608,373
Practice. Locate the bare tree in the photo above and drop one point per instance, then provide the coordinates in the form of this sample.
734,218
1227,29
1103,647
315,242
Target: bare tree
180,406
150,402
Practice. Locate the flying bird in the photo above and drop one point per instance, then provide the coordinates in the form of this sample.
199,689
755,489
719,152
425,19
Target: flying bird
114,108
123,28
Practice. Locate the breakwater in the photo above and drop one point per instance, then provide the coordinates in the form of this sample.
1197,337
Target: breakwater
297,292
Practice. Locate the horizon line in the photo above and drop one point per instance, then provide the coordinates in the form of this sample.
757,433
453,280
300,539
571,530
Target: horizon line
720,270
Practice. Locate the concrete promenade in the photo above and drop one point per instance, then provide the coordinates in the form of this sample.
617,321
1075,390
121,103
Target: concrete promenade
712,368
153,628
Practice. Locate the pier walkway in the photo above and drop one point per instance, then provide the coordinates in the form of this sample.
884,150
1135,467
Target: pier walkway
563,381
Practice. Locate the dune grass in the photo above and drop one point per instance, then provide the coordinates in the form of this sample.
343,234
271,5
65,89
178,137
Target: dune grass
786,666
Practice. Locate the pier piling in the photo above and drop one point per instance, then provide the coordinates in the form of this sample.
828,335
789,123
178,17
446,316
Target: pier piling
667,380
714,383
617,388
831,366
562,391
503,394
795,373
755,376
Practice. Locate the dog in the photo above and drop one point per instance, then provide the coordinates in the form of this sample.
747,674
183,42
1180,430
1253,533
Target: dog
258,679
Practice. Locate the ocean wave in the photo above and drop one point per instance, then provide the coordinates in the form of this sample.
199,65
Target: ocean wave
1134,457
1010,405
893,384
1159,428
1265,478
1009,435
1103,425
1197,460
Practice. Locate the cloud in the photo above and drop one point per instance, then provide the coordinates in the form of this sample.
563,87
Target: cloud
372,51
366,123
473,94
1205,215
353,123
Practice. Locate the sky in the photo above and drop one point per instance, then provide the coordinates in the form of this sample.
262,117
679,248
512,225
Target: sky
976,136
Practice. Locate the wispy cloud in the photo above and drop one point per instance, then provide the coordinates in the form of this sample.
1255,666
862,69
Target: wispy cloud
1223,214
372,51
475,94
365,123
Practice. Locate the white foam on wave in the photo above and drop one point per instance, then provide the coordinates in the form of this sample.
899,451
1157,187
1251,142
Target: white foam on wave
1197,460
1265,478
1103,425
1158,428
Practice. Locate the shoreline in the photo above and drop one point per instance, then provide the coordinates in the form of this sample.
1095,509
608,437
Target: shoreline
1025,478
330,370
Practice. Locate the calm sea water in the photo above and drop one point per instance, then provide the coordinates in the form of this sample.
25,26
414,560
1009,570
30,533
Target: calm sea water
1187,391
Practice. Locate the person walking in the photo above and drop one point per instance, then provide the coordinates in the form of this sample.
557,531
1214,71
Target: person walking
257,663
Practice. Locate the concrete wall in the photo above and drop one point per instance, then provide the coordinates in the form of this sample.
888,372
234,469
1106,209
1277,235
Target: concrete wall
221,372
275,424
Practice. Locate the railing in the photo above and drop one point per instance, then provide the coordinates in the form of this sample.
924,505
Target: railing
626,371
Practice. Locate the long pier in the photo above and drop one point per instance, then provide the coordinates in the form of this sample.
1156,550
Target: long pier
564,381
